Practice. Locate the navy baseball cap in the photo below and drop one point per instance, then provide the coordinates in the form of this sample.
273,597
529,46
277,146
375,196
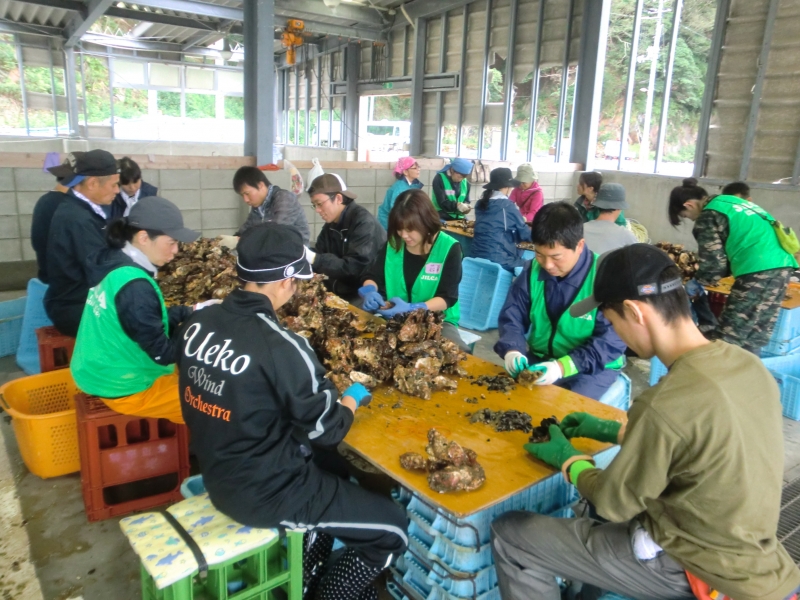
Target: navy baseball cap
628,273
272,252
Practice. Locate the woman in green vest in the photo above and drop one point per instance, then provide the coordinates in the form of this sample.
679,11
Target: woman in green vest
736,237
451,190
418,267
123,352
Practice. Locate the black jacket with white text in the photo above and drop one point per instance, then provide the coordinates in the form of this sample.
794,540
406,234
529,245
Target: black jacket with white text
254,395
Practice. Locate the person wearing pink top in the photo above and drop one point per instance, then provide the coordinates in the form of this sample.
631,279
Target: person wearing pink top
528,197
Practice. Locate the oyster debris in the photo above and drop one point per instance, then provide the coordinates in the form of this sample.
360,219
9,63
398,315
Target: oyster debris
503,420
528,378
496,383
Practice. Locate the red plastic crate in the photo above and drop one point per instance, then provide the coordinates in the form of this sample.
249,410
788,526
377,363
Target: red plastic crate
716,302
55,349
128,463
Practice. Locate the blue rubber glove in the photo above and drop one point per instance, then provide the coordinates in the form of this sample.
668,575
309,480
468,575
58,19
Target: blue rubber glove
372,299
359,393
401,307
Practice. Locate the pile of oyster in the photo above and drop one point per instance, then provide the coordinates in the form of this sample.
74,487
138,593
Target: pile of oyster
686,260
200,271
468,226
503,420
408,350
450,467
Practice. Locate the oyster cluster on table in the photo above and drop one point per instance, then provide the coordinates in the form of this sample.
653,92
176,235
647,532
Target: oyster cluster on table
407,350
450,467
541,433
686,260
496,383
201,270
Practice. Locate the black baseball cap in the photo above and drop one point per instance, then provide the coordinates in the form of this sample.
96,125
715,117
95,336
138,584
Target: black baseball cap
629,273
272,252
158,214
79,165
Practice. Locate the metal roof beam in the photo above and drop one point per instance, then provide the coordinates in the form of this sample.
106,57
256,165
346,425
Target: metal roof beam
422,9
80,23
75,5
46,30
160,18
200,38
355,33
306,9
203,9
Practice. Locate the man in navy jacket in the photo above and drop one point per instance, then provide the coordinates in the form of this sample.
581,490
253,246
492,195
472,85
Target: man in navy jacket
579,354
131,188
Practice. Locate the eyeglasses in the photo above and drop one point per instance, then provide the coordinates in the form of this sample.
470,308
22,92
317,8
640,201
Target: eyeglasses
319,205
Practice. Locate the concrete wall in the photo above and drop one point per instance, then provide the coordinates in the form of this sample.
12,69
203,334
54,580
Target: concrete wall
119,147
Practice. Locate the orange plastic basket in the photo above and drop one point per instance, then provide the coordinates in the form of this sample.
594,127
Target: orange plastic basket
43,411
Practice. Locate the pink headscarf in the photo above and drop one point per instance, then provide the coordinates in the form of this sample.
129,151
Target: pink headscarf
404,164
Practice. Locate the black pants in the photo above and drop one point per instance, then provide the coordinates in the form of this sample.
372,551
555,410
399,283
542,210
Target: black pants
373,525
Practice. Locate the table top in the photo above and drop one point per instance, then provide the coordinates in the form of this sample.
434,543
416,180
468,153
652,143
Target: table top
790,301
452,227
381,433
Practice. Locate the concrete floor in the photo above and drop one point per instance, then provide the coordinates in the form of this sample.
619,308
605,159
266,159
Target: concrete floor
49,551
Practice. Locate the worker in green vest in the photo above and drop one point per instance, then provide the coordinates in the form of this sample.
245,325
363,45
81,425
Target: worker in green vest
739,238
123,352
418,267
581,354
451,190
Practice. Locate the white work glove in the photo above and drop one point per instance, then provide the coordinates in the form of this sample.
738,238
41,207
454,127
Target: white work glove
310,255
551,372
228,241
202,305
516,362
463,208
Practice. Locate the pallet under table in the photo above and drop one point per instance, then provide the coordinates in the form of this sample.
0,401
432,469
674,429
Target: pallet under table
381,433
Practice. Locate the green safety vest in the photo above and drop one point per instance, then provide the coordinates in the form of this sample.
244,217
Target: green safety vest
571,331
450,192
428,279
752,245
106,362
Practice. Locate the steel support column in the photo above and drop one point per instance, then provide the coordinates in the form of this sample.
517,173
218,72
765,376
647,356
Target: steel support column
71,90
589,81
318,75
677,9
259,79
110,60
710,91
796,169
296,139
83,95
417,83
562,101
21,67
52,82
508,88
626,112
537,62
461,80
352,72
440,96
758,89
485,79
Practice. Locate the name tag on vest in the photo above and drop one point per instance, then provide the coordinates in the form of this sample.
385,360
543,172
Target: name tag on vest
433,268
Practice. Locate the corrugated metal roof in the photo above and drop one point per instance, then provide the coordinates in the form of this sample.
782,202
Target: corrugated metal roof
21,12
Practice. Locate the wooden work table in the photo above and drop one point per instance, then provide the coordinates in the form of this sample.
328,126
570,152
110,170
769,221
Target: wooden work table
383,431
452,228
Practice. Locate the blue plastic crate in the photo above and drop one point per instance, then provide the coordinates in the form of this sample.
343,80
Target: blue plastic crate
482,582
11,316
604,458
619,394
439,593
613,596
482,293
35,317
781,347
528,255
657,370
192,486
786,371
416,576
544,497
469,338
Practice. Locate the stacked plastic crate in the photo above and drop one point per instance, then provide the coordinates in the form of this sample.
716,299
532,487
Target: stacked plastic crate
450,558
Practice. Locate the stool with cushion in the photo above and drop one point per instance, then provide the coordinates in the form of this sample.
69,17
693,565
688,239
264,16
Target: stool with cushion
244,563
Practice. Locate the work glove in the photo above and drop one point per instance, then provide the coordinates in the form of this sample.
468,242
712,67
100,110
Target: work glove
584,425
310,255
228,241
516,362
359,393
551,372
401,307
372,299
556,451
463,208
201,305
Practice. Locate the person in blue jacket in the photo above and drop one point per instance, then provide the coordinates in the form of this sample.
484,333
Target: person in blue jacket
581,354
499,225
407,172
